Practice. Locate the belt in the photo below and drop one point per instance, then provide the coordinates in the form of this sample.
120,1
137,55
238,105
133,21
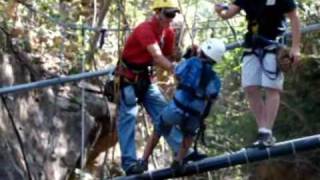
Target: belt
135,67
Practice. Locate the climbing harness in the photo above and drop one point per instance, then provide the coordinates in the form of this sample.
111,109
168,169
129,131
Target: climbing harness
262,46
139,76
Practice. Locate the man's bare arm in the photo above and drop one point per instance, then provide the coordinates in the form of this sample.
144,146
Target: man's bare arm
296,35
159,58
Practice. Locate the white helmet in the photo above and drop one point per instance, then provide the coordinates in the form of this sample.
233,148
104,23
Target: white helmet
214,49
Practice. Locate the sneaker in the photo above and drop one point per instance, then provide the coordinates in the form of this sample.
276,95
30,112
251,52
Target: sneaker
137,167
143,164
81,174
264,140
194,156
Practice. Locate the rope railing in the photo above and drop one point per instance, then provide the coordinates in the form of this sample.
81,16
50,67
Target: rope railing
307,29
243,156
87,75
54,81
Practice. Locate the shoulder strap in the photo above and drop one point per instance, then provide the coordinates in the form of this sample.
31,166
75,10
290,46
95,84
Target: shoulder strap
204,77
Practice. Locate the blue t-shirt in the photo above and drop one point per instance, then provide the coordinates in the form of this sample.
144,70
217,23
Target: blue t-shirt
199,83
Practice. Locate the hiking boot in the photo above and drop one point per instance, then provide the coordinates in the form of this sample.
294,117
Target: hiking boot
143,164
264,140
194,156
137,168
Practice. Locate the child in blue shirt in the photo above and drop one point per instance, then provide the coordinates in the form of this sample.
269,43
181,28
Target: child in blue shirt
198,86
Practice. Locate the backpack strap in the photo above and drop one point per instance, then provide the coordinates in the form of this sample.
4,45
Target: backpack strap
201,132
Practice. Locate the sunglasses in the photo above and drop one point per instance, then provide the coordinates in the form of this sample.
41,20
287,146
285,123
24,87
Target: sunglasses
169,14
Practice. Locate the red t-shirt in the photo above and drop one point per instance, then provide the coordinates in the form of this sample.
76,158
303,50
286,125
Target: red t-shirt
147,33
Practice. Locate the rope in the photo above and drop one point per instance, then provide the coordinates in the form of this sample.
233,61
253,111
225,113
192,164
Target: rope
197,168
150,175
246,156
268,152
116,80
62,47
193,33
229,159
233,31
184,21
82,104
293,148
23,151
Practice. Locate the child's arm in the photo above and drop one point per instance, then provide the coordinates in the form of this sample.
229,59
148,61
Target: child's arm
152,142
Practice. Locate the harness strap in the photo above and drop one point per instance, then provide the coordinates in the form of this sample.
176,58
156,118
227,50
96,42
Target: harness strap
260,54
138,68
138,76
201,132
132,73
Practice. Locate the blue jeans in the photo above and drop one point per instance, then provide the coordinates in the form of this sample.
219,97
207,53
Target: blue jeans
172,116
153,102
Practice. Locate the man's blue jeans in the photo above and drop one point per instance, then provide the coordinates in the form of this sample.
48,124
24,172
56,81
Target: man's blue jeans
153,102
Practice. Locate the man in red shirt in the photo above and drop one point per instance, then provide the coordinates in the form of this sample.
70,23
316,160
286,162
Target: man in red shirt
150,43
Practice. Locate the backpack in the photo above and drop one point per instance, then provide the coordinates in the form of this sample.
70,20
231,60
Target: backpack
189,74
194,75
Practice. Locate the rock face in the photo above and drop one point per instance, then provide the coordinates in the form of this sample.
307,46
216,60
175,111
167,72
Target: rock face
48,122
